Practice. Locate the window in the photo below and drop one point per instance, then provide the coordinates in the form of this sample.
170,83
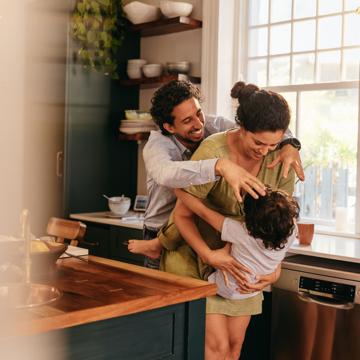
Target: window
309,50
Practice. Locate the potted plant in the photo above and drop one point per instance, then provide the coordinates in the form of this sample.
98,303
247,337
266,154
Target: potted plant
98,26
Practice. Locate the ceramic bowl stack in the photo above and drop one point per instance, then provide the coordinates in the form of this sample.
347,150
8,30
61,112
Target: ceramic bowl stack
134,68
137,121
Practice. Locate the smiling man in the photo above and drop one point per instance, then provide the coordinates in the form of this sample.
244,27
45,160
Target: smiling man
176,109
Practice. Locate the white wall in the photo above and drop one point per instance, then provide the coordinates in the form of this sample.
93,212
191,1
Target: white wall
32,95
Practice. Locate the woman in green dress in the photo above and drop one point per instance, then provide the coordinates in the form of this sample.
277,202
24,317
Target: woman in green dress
263,117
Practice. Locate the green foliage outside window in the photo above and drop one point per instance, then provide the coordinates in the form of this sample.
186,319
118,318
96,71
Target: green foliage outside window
98,25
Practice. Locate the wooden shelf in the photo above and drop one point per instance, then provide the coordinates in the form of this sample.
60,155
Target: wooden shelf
134,137
165,26
153,81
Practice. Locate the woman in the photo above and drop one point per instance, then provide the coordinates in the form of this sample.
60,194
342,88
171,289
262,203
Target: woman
263,117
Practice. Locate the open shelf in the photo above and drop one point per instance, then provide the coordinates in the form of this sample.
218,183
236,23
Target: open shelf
153,81
134,137
165,26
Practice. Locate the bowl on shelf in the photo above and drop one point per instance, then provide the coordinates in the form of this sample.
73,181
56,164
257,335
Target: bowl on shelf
138,12
179,67
152,70
172,9
134,73
136,62
137,115
119,205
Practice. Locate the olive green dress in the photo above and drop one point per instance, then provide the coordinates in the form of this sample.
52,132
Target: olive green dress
179,258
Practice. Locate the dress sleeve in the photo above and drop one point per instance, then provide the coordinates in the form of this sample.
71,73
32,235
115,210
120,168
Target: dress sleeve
202,153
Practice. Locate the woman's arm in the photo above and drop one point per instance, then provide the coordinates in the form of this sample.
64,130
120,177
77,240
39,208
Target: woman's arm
196,205
220,259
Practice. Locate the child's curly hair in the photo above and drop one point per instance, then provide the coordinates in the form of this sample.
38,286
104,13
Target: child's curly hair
271,217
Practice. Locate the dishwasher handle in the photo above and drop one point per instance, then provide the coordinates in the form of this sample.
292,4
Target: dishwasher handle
315,299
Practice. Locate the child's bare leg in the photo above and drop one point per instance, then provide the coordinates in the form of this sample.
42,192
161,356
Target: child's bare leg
150,248
237,326
216,337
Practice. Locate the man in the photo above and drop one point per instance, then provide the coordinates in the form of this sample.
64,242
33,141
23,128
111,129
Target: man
176,110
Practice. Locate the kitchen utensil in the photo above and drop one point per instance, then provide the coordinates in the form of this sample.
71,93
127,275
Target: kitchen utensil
179,67
138,12
76,257
172,9
106,197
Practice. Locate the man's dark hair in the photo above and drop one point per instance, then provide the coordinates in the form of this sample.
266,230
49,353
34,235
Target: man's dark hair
271,217
260,110
170,95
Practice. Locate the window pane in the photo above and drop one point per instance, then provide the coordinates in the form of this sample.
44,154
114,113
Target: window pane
280,37
351,4
280,10
304,8
290,97
257,72
280,71
304,35
303,66
330,32
329,66
330,6
351,60
328,134
258,42
352,29
259,12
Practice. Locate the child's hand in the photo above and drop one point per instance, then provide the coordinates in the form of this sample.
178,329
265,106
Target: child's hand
222,260
265,280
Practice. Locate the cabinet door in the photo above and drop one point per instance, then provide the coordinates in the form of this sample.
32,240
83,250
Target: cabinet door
99,236
119,239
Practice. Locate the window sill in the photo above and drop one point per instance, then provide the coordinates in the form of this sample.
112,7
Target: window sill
328,230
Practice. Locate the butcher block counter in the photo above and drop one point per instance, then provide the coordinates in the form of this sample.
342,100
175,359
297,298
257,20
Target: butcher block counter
110,310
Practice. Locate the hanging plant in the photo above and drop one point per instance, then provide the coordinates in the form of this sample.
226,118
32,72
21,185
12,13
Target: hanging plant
98,25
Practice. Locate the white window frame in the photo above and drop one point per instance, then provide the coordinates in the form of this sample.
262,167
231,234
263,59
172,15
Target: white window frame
241,58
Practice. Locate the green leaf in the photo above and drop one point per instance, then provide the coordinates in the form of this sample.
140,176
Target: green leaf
107,24
81,7
117,42
96,25
88,6
91,36
358,10
104,2
124,15
74,26
108,61
114,75
81,37
114,49
86,70
98,16
82,29
95,4
104,36
86,15
92,63
112,67
96,44
101,53
76,15
85,54
114,28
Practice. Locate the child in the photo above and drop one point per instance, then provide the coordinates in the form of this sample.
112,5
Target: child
260,242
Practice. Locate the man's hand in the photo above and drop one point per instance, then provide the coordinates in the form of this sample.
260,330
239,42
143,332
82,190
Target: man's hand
290,157
265,280
238,178
222,260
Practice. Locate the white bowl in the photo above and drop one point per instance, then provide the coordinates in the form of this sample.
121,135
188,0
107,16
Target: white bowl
135,73
172,9
118,199
119,207
152,71
137,62
138,12
152,66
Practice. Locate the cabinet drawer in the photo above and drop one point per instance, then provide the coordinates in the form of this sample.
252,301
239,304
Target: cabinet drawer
118,244
97,234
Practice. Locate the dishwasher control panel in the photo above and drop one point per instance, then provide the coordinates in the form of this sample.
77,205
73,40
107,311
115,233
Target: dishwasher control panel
331,289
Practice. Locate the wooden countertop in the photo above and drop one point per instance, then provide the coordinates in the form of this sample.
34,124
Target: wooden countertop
98,290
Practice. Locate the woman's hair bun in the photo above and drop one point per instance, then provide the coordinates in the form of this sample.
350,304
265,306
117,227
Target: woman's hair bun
241,91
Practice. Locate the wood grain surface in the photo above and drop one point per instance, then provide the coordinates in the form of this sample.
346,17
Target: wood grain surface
98,290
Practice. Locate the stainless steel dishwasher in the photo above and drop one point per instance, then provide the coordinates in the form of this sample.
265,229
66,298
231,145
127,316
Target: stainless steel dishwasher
316,310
